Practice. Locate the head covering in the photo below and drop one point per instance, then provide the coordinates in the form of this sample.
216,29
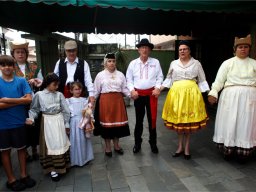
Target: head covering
110,56
19,44
244,40
145,42
185,42
70,45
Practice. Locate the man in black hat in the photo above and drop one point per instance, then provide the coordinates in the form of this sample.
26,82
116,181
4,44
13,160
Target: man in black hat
144,78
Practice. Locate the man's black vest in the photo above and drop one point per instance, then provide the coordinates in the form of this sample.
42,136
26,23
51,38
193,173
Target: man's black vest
78,76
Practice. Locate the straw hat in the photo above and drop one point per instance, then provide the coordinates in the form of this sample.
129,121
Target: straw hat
244,40
19,44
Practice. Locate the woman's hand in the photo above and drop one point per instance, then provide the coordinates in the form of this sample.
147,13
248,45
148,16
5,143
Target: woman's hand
134,94
212,100
68,131
156,92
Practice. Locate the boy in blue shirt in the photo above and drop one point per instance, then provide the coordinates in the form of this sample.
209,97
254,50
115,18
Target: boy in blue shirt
15,94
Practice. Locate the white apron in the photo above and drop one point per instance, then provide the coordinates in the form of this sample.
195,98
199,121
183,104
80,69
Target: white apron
56,139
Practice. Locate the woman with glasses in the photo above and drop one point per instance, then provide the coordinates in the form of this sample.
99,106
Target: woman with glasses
184,108
235,132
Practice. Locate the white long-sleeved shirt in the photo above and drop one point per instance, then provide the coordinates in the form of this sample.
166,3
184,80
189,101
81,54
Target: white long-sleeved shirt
234,71
193,70
71,68
144,75
106,82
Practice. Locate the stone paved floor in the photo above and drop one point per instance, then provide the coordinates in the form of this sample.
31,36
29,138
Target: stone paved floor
206,171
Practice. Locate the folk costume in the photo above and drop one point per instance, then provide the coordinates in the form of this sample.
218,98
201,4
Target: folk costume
235,131
184,108
69,72
81,151
144,78
109,89
54,143
29,70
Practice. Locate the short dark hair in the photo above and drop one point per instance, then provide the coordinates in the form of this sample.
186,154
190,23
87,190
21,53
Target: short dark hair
50,77
6,60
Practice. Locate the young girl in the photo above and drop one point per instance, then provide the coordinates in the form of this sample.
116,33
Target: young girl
54,143
81,146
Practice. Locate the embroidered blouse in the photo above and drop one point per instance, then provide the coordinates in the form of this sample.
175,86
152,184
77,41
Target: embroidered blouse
191,71
144,75
106,82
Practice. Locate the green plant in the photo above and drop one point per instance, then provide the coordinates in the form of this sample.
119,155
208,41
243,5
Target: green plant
121,61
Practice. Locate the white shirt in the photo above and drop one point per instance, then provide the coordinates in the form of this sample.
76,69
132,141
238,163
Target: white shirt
106,82
71,68
144,75
234,71
191,71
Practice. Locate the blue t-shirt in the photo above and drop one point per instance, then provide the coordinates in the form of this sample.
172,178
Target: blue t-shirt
13,117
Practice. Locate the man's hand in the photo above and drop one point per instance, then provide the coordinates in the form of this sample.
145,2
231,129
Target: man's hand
212,100
156,92
134,94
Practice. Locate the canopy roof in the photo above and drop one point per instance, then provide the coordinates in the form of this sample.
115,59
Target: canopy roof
125,16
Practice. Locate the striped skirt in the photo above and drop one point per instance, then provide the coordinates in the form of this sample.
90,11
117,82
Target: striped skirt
58,163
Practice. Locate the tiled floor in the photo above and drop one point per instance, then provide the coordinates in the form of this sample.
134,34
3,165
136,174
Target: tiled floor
206,171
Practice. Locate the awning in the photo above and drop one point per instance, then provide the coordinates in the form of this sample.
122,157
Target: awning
126,16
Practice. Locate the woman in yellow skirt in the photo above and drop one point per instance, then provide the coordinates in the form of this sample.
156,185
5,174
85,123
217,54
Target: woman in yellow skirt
184,108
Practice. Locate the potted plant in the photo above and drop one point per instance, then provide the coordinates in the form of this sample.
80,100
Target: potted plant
122,65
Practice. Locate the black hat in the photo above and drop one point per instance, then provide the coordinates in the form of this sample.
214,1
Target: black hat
185,42
145,42
110,56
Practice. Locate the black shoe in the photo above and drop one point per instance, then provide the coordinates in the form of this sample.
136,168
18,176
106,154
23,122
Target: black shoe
187,157
16,186
29,158
55,177
154,148
35,156
28,182
177,154
136,148
119,151
109,154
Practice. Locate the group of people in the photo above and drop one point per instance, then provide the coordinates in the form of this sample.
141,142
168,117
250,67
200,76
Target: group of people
58,109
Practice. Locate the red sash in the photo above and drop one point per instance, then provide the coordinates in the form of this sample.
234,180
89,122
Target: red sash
153,103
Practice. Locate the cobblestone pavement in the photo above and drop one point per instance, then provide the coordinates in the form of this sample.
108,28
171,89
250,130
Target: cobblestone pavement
145,171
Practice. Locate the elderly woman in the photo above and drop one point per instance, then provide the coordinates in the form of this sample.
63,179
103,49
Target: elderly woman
184,108
235,131
19,51
110,86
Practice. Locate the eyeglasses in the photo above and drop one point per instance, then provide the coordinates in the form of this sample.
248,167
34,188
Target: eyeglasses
184,49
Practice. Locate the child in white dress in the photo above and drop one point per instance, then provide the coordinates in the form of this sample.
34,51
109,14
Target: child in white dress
81,151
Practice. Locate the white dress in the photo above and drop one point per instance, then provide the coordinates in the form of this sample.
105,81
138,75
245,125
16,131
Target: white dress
81,150
236,114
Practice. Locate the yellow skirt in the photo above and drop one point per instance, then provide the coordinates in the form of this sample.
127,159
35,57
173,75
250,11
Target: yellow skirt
184,108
